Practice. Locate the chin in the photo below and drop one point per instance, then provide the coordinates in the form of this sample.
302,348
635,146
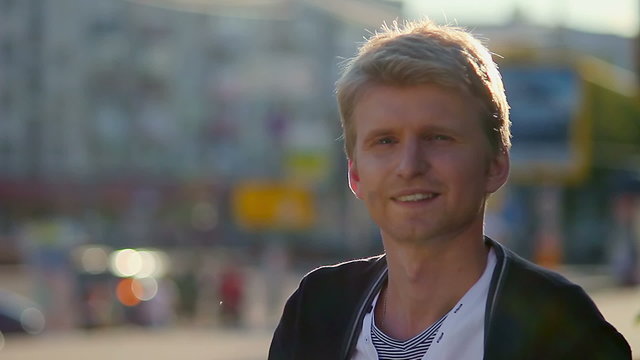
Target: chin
414,236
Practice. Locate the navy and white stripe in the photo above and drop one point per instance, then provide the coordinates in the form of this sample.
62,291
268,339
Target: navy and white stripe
412,349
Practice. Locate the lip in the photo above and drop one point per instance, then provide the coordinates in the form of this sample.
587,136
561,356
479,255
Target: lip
402,193
398,194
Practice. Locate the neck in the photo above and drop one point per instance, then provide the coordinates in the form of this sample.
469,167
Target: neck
426,280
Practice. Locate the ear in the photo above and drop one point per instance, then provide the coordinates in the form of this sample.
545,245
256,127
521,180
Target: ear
498,172
354,178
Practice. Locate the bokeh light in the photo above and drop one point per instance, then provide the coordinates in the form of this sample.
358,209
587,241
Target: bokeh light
92,259
144,289
148,264
125,262
162,264
32,320
125,293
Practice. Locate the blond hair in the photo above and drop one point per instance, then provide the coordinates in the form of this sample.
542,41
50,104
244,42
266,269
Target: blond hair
424,52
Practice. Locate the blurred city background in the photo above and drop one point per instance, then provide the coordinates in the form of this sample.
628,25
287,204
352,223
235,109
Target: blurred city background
169,169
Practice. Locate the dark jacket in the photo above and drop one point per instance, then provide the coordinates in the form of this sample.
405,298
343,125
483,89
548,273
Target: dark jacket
531,313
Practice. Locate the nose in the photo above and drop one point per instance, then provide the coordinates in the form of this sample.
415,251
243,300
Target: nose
412,160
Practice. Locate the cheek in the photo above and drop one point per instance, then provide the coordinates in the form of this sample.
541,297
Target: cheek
371,185
373,197
463,168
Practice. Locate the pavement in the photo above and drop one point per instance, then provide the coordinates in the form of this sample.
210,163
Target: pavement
621,307
139,343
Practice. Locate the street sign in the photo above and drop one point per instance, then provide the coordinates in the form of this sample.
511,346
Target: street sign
261,205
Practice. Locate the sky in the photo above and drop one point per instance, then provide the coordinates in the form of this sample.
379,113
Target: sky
618,17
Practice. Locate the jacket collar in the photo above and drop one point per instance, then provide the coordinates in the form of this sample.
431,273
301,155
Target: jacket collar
379,276
495,287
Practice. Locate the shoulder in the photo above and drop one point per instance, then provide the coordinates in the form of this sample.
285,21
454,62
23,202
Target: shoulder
329,289
344,282
519,270
518,277
540,305
544,291
345,271
318,314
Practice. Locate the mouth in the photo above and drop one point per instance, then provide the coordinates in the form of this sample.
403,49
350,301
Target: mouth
416,197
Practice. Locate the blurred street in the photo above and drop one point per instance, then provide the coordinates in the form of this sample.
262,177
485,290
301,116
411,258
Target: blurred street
170,169
138,343
620,306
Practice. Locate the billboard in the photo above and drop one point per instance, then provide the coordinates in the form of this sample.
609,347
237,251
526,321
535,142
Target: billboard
548,129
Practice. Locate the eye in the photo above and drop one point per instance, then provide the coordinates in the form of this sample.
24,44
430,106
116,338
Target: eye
385,141
440,137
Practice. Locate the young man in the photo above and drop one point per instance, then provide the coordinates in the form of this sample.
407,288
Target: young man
427,139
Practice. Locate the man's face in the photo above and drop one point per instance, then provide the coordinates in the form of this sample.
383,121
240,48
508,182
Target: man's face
422,163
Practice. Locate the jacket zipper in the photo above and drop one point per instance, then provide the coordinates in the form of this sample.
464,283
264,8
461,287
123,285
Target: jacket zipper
363,306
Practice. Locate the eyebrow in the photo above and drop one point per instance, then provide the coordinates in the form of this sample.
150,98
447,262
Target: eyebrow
437,128
427,128
378,132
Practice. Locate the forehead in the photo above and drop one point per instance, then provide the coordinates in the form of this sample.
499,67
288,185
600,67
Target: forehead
420,105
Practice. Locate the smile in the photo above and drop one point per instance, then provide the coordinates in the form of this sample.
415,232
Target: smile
415,197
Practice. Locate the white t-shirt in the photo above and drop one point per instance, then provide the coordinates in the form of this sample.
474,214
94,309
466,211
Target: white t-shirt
461,335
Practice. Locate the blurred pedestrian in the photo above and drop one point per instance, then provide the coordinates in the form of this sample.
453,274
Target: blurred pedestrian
231,293
427,138
46,243
624,252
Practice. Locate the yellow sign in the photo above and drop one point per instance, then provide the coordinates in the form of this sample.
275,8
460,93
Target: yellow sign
272,206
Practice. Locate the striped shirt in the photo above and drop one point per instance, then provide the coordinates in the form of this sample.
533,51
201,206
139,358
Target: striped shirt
412,349
458,335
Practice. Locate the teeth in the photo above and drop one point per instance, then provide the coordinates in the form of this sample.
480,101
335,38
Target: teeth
415,197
